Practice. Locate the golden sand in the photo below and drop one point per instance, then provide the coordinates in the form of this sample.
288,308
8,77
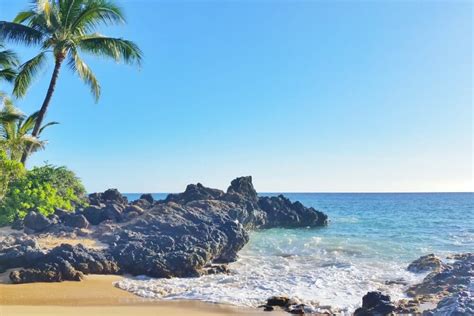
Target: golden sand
97,296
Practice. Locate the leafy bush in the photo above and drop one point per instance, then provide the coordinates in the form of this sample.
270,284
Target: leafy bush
42,189
9,171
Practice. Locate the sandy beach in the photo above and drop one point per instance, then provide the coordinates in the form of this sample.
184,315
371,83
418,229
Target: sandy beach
97,296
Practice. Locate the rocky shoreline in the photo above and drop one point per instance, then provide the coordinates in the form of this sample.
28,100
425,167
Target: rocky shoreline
189,234
199,232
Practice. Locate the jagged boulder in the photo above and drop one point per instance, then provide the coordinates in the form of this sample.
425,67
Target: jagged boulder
107,197
281,212
374,304
147,197
194,192
426,263
94,214
173,240
75,220
112,212
36,222
65,262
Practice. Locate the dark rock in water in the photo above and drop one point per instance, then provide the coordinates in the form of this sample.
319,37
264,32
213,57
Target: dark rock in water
454,278
281,301
267,308
147,197
250,210
76,220
36,222
93,214
291,306
375,303
426,263
281,212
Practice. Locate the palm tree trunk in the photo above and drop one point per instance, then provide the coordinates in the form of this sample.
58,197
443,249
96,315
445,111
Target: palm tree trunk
44,107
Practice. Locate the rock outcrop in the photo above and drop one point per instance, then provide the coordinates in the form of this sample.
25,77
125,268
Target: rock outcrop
426,263
450,286
375,304
36,222
188,234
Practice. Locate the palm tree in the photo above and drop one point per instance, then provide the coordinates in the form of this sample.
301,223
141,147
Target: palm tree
15,129
64,28
8,63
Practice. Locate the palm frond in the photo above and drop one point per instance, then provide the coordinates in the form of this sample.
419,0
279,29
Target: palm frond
117,48
34,19
9,112
27,72
85,73
94,13
28,124
8,58
8,74
19,33
70,9
47,125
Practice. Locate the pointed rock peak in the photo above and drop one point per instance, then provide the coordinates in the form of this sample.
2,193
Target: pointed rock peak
243,186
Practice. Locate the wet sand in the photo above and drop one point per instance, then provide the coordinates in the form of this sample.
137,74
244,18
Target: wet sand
97,296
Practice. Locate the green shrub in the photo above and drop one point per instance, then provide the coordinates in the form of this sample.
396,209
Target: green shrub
42,189
9,171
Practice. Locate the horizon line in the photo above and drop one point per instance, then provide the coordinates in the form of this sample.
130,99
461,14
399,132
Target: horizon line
322,192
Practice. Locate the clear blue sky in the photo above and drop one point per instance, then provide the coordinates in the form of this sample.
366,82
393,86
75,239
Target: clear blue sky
304,96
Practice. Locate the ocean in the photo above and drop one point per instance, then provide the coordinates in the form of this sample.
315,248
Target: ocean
370,240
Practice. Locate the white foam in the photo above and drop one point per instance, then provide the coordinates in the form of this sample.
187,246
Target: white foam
303,268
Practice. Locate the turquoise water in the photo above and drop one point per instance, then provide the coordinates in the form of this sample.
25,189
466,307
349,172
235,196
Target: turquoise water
370,240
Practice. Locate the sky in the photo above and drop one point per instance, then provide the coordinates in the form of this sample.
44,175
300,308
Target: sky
305,96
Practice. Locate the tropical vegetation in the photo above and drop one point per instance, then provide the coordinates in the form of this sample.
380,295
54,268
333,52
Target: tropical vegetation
43,189
15,131
64,29
10,170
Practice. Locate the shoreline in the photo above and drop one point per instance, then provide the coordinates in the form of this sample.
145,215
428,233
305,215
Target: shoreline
96,295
